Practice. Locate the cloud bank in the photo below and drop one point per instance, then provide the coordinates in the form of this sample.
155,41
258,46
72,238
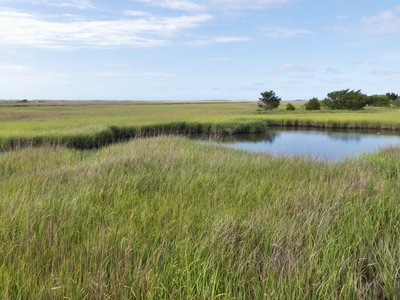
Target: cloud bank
29,29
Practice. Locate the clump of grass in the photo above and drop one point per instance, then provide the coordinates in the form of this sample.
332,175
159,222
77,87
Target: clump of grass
116,134
168,217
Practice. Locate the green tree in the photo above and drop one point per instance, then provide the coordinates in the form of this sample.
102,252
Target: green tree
392,96
346,99
269,100
313,104
290,106
325,103
378,100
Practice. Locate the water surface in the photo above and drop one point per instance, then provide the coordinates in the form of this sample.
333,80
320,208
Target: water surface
326,145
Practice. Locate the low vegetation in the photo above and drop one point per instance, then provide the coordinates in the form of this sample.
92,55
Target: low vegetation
171,218
352,100
378,101
313,104
290,107
346,99
392,96
396,103
86,125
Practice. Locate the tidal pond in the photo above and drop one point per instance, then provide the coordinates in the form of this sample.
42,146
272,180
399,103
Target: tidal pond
318,144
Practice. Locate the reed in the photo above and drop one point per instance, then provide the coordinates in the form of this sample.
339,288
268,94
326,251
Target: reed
167,217
162,216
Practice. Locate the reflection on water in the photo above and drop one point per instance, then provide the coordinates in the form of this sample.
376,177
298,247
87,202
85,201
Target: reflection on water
330,145
263,137
345,136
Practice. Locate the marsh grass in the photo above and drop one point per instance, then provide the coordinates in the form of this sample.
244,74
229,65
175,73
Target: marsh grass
115,134
90,125
168,217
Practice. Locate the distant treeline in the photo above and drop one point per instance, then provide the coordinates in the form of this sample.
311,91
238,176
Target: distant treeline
343,99
352,100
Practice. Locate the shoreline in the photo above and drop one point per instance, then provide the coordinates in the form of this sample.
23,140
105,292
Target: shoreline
116,134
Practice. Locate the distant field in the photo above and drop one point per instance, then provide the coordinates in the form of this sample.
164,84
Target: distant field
68,119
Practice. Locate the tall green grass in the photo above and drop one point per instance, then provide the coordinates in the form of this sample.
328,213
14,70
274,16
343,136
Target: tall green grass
170,218
114,134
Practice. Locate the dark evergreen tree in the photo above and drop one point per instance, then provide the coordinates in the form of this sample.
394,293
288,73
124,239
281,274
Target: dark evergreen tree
269,100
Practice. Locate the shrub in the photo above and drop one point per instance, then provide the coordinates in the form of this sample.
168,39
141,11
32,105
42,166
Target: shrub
269,100
392,96
378,100
313,104
396,103
346,99
23,101
290,106
324,103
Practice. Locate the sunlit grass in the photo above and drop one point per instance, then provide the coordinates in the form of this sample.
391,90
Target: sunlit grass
89,118
172,218
65,122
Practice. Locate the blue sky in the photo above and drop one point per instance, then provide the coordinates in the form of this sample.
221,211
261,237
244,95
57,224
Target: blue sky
192,50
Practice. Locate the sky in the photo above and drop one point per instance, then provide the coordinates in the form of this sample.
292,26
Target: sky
197,50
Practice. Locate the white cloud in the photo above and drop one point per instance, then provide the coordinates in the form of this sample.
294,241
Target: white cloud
28,29
384,22
134,74
284,32
213,4
220,40
137,13
79,4
185,5
250,4
7,69
231,39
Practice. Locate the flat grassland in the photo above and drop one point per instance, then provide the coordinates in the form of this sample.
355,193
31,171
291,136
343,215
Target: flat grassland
68,118
171,218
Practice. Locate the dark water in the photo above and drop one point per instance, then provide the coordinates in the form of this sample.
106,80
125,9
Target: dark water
326,145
